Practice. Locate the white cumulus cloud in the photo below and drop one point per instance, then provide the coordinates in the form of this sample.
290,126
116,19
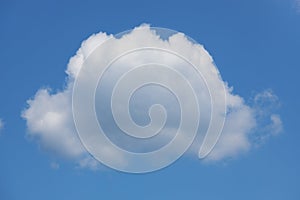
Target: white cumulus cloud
50,121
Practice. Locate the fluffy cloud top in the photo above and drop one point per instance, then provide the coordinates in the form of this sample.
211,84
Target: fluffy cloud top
50,121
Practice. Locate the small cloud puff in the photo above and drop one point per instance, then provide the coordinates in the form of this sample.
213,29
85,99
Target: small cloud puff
1,124
297,5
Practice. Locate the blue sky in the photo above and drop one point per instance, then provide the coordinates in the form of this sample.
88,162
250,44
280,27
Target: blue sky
255,45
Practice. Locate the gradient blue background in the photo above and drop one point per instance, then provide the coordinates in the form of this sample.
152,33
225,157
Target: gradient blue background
255,44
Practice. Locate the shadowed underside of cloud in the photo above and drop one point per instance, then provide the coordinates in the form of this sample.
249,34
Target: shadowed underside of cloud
50,121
